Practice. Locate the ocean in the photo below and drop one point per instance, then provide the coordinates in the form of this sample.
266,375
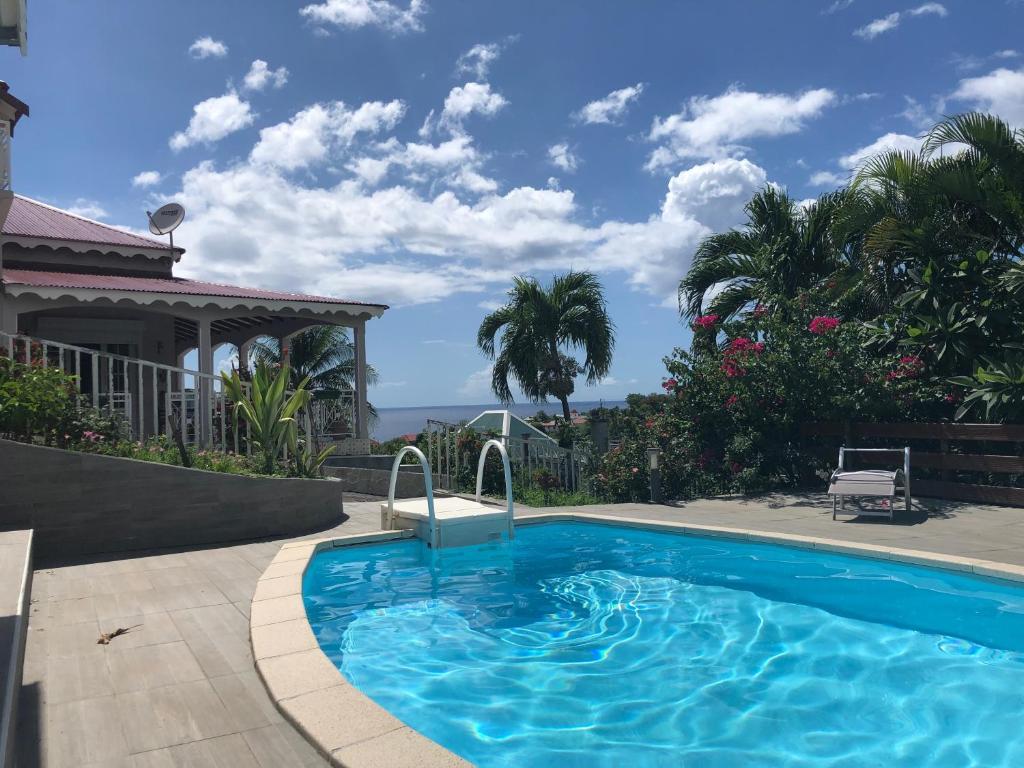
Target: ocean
392,422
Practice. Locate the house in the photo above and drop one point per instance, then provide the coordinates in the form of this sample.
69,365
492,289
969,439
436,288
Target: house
105,304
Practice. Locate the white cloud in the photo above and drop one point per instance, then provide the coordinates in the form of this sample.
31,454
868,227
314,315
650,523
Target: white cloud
888,23
1000,92
478,383
890,142
435,227
838,5
827,179
147,179
465,100
207,47
931,9
1006,53
879,26
353,14
562,156
260,75
306,137
213,119
490,304
477,61
89,209
710,127
390,384
612,107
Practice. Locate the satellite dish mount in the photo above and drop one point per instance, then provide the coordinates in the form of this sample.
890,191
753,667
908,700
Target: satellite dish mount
166,220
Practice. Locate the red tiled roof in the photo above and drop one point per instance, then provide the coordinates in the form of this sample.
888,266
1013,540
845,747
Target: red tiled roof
175,285
30,218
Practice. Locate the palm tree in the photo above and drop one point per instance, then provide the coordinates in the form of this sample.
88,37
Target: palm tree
323,354
782,249
537,325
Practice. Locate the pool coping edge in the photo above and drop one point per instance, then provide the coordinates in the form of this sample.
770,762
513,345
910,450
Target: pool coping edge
305,685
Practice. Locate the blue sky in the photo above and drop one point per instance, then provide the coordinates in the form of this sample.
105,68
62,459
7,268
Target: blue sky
420,154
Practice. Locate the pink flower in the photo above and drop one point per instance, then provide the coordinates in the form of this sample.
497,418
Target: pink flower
669,385
823,324
731,401
736,467
760,309
705,322
635,470
830,353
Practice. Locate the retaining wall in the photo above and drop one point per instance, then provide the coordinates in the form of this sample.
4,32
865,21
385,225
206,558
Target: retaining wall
80,503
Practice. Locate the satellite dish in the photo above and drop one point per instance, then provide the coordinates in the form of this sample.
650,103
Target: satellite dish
166,219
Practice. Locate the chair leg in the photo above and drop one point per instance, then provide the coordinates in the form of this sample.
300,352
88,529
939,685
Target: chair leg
833,507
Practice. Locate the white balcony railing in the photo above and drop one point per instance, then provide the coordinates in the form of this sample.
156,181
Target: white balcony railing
158,399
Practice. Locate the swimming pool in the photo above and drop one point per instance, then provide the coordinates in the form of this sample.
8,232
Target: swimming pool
596,645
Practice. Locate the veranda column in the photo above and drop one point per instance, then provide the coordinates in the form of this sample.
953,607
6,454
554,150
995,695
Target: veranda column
204,415
359,339
285,344
243,358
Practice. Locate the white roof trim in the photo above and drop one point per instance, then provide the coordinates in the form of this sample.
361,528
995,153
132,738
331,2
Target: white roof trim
197,301
85,246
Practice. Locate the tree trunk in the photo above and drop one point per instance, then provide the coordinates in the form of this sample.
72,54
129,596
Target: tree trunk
565,409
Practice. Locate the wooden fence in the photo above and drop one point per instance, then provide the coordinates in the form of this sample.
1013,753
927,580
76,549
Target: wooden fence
957,451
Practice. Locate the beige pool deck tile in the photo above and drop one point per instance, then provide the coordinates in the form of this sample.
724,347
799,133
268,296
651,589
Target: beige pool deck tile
338,716
278,639
246,699
287,568
217,635
281,745
280,587
229,751
152,666
278,609
289,554
298,673
401,748
172,715
84,731
73,678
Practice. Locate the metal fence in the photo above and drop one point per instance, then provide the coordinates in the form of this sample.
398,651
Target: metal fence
527,456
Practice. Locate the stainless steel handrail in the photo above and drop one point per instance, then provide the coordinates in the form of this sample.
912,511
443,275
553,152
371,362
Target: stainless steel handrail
508,480
432,520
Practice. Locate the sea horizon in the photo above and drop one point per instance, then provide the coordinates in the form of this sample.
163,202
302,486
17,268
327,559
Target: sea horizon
393,422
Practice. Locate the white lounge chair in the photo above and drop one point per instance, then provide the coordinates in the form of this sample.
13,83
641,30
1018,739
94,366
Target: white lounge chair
869,482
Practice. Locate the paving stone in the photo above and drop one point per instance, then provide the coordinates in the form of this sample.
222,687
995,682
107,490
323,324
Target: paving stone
402,748
246,699
218,637
171,715
84,731
230,751
298,673
278,609
152,666
281,745
279,639
317,714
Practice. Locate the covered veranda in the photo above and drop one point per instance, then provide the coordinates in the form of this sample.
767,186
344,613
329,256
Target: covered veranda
127,338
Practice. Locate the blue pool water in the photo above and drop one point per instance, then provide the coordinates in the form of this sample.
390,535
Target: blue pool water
592,645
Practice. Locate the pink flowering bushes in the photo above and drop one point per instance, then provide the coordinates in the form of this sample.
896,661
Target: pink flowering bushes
729,419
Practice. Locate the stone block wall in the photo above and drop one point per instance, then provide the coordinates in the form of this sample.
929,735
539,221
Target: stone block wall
80,503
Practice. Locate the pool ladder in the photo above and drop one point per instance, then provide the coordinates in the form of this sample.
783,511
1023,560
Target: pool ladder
450,521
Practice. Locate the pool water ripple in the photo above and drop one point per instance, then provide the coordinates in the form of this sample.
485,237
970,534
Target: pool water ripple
587,645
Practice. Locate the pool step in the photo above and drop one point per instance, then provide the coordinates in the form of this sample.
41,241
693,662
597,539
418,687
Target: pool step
450,521
459,522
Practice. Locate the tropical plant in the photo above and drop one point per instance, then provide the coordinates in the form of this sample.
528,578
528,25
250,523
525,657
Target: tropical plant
537,327
306,460
322,355
268,408
997,387
35,400
782,249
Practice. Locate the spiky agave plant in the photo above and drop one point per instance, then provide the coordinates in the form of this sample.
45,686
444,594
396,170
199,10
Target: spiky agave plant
268,408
